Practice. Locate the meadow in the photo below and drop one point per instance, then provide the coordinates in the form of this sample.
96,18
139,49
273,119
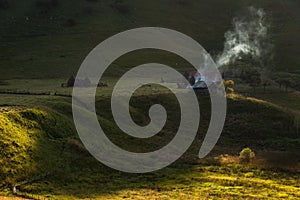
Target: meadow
43,43
48,155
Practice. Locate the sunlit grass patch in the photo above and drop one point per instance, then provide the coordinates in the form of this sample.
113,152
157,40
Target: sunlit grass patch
27,136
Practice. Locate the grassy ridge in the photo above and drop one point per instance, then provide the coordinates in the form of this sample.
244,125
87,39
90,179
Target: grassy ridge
31,142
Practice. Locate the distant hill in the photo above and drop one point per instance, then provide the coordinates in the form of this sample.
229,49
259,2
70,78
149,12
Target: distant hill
50,38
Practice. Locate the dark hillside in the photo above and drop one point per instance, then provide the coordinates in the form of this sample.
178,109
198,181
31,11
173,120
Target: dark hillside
44,38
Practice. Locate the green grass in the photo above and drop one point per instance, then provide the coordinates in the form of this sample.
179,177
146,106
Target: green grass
28,136
38,138
226,181
42,127
287,100
273,94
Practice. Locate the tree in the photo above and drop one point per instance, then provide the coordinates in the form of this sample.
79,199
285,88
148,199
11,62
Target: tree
265,84
265,79
252,77
287,80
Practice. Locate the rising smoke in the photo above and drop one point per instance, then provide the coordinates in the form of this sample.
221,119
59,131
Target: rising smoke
247,37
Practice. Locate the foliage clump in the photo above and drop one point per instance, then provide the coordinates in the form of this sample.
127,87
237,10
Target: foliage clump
246,155
288,80
229,86
251,76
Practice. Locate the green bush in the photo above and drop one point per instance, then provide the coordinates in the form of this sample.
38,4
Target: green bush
246,155
229,86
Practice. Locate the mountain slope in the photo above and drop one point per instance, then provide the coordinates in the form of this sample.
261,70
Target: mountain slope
41,39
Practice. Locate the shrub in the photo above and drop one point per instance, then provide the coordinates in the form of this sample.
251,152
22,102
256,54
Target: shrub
229,90
246,155
229,86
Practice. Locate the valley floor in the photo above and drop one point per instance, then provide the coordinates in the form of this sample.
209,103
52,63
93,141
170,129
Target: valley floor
273,174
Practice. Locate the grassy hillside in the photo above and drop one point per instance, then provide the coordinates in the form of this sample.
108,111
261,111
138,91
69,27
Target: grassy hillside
43,42
42,142
31,142
46,39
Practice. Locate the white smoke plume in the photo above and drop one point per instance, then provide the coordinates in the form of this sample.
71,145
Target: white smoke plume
246,38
